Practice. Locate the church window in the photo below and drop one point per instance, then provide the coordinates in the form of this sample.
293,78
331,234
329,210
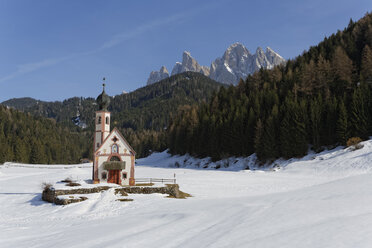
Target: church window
114,148
97,145
99,120
107,120
104,175
124,175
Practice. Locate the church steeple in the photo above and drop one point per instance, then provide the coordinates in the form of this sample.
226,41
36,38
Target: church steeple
102,118
103,99
102,125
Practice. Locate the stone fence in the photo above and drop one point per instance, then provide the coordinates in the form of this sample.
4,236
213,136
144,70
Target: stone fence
51,195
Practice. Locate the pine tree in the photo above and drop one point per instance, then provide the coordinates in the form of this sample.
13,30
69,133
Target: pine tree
292,130
20,151
342,125
250,131
37,155
258,142
358,114
315,120
366,66
270,137
342,67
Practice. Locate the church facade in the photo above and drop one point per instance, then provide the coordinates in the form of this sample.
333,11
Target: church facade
113,157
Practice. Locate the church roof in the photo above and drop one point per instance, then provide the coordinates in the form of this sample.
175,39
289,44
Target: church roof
115,130
103,100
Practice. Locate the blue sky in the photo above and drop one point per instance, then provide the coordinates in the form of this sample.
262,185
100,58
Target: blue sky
52,50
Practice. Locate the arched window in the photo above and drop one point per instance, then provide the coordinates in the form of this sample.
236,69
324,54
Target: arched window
115,158
114,148
99,120
107,120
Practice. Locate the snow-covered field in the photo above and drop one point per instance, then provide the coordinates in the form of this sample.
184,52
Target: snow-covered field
322,200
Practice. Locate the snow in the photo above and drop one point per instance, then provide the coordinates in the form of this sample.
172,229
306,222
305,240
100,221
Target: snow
321,200
228,68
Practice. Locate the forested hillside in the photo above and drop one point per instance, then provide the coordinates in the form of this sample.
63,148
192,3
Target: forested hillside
29,139
142,115
321,98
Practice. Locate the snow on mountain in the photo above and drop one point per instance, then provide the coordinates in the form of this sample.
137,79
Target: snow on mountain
321,200
237,62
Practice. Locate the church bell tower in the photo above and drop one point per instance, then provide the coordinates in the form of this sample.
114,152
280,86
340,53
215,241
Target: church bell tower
102,119
102,123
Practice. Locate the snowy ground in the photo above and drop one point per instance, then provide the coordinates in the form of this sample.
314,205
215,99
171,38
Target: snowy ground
322,200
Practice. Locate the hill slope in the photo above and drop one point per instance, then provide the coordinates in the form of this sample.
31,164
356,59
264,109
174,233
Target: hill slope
321,98
141,115
318,201
29,139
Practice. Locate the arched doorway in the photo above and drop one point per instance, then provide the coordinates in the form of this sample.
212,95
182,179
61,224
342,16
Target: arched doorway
114,175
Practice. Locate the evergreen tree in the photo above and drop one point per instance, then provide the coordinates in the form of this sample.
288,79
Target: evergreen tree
366,65
342,67
358,114
316,119
292,130
250,131
258,142
342,125
20,151
270,136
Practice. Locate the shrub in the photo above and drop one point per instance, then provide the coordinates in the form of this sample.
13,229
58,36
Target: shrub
354,142
45,185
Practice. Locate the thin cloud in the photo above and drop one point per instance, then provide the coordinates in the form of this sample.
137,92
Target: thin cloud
119,38
114,41
30,67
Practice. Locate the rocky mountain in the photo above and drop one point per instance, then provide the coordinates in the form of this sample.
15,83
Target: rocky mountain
156,76
189,64
237,62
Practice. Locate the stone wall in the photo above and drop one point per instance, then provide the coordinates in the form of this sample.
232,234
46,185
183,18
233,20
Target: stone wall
170,189
51,195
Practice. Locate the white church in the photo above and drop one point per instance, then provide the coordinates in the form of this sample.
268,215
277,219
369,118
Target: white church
113,158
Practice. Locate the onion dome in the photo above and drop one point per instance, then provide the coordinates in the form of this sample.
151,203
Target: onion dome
103,100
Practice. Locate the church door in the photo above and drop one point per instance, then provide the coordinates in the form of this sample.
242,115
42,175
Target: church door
114,176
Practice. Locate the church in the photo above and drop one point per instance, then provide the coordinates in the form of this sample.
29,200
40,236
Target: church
113,157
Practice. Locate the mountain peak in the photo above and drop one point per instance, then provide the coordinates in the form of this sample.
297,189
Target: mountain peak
271,52
259,50
237,62
189,64
238,48
163,69
268,49
156,76
236,44
186,53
